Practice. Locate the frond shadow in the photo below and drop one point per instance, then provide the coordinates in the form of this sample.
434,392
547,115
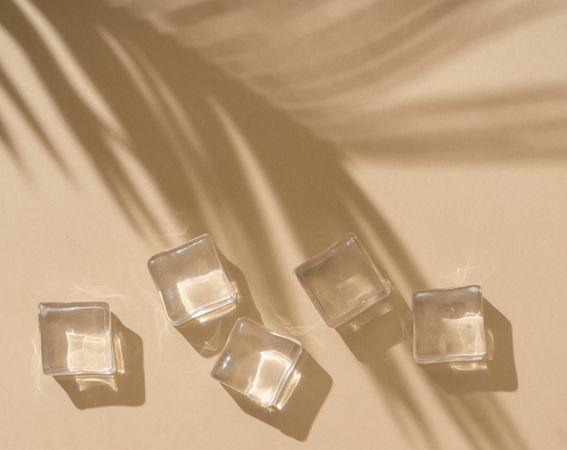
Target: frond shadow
200,134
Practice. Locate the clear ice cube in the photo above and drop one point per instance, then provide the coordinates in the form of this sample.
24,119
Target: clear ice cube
342,281
259,364
76,338
448,325
192,281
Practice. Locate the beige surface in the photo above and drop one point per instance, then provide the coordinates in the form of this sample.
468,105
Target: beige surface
435,131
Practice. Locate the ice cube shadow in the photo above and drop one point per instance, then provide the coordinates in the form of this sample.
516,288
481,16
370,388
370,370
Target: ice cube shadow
373,332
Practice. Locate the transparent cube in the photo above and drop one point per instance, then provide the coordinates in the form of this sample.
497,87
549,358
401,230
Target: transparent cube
342,281
76,338
448,325
259,364
192,281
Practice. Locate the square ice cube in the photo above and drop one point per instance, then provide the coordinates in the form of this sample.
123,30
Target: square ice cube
448,325
191,280
259,363
76,338
342,281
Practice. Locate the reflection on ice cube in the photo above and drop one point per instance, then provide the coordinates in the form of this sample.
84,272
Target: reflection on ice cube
464,335
87,351
272,365
204,290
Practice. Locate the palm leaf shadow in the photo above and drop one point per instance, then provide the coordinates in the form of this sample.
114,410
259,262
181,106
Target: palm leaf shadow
184,121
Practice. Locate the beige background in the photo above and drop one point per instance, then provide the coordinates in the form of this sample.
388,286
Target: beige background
437,131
